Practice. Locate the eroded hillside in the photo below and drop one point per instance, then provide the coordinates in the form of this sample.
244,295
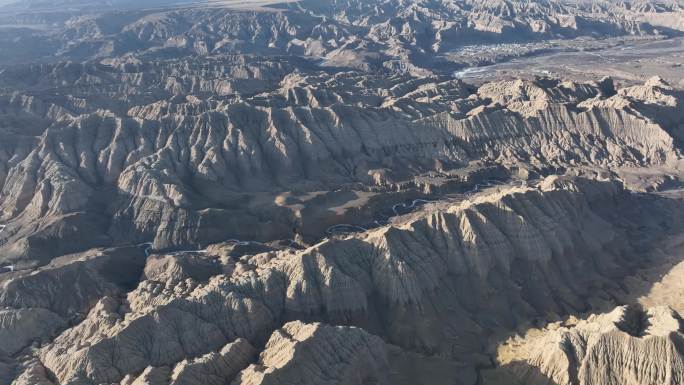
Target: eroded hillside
308,193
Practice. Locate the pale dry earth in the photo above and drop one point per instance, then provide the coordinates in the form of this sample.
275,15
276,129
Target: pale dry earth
341,192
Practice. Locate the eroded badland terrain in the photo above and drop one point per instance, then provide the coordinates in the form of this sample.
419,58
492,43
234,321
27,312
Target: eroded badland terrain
342,192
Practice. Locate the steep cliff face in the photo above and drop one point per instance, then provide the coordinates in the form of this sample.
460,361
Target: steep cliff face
212,368
437,283
356,357
629,345
171,172
37,305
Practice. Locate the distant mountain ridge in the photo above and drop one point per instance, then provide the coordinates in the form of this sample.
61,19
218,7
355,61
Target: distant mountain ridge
405,35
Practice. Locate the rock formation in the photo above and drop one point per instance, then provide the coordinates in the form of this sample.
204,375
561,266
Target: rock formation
383,34
489,252
308,193
334,355
627,345
176,173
